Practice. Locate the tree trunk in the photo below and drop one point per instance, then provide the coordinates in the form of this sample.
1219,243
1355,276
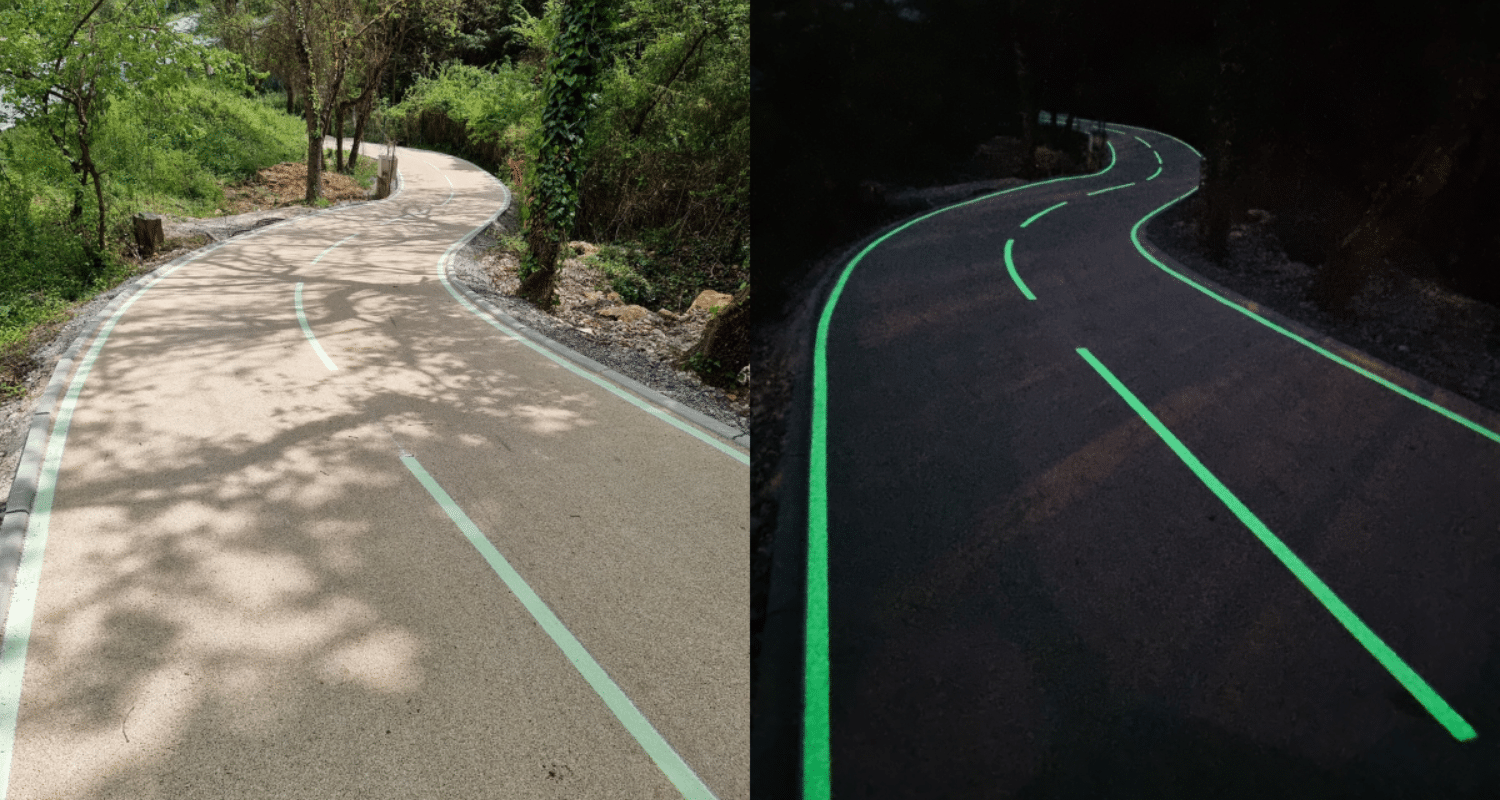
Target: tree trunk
724,348
1028,108
291,99
314,152
338,138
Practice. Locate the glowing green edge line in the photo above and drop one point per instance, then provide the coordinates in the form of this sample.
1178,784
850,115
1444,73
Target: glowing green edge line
1154,174
1038,215
1460,419
667,760
1112,188
1387,657
817,754
1011,266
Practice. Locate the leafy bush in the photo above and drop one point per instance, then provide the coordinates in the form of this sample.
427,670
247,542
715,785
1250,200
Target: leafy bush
621,267
485,113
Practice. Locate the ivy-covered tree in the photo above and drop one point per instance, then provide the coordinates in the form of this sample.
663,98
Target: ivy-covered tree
573,73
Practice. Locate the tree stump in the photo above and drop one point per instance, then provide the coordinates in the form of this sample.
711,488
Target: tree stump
148,232
386,177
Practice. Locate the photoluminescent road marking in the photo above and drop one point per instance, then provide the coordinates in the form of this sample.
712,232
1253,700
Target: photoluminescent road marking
1435,705
1158,156
817,747
1038,215
1453,415
451,187
1154,174
1011,266
1111,189
329,248
667,759
307,330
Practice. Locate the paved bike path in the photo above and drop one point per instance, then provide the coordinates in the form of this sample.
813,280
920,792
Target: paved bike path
257,578
1032,592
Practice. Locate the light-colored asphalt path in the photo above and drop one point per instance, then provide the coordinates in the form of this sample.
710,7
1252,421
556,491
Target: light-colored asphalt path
419,560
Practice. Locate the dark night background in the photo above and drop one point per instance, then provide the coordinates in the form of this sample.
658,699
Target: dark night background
1370,130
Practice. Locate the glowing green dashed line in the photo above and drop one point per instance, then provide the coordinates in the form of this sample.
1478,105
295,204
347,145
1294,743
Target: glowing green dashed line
1011,266
817,749
1387,657
1037,215
1158,156
1154,174
1112,188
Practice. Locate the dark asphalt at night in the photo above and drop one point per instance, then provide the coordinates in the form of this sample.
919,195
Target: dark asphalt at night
1033,596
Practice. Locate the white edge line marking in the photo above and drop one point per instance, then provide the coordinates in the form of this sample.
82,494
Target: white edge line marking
667,760
19,616
629,397
307,330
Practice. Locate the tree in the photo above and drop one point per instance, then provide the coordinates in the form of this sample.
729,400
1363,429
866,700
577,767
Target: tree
573,72
64,60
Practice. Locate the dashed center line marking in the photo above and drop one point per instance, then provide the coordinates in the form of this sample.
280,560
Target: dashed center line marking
667,759
307,330
1429,698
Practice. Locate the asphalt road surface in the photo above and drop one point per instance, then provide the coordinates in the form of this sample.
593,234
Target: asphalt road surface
312,527
1133,537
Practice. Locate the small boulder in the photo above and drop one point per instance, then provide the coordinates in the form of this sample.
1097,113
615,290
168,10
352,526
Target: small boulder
669,315
709,299
625,313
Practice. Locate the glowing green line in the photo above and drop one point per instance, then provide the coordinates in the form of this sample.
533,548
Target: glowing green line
1011,265
817,752
1111,189
1142,141
1037,215
1460,419
667,760
1387,657
1154,174
1158,156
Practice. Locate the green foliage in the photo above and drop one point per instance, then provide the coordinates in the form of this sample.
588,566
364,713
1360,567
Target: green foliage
486,112
672,145
622,267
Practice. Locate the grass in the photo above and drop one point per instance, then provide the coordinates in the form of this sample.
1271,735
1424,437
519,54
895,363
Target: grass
168,154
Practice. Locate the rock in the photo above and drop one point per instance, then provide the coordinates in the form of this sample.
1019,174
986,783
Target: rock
591,299
625,313
667,314
614,297
709,299
745,375
584,249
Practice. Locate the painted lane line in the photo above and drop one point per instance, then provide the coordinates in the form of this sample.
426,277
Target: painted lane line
1158,156
1142,141
1154,174
1037,215
19,618
1011,266
1112,188
307,330
1452,415
1387,657
629,397
817,747
445,177
329,248
667,760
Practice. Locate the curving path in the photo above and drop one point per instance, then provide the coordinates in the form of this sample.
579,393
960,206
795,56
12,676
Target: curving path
311,526
1082,524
